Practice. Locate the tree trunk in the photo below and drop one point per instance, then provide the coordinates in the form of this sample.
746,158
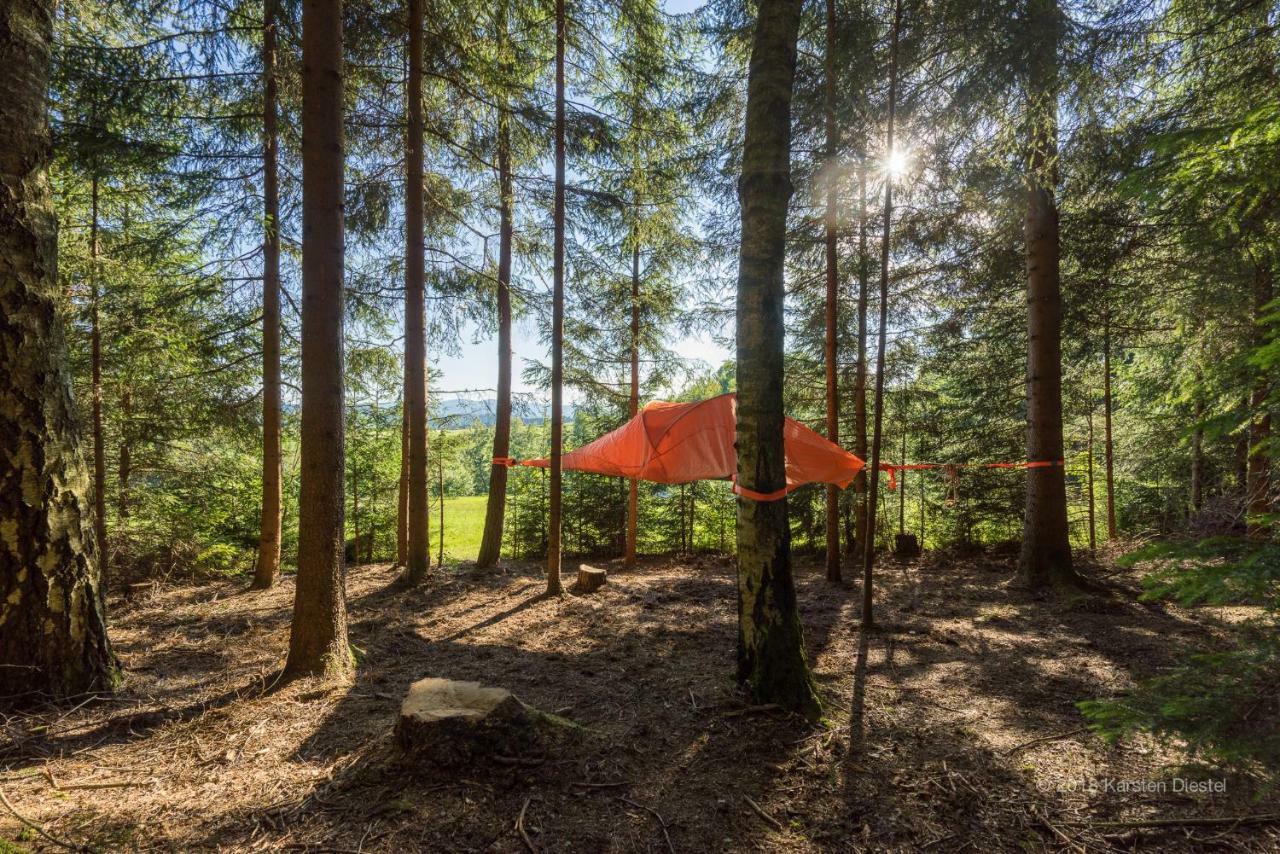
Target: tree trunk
771,655
124,468
869,542
495,509
902,485
402,497
633,487
415,357
355,512
1197,457
1198,450
440,534
1093,526
830,351
554,586
1108,448
53,635
1258,477
1046,549
272,501
318,639
95,370
860,379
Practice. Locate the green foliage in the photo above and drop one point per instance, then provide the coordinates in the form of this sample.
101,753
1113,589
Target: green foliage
1223,703
1224,706
1216,571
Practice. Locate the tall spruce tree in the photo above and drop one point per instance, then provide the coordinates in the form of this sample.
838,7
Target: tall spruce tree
771,655
53,637
318,636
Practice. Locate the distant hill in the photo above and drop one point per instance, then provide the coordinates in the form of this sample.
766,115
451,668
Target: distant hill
457,412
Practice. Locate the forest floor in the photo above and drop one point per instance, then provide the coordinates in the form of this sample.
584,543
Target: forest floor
952,727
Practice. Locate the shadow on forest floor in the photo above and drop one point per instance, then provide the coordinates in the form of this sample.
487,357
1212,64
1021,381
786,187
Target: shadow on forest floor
953,725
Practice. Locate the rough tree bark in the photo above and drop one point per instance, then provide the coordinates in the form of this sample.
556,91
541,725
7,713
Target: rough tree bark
554,587
877,434
495,510
830,351
418,558
1046,550
771,655
53,636
269,537
318,637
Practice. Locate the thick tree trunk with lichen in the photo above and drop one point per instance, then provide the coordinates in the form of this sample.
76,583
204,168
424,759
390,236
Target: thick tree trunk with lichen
771,655
318,639
1046,547
53,637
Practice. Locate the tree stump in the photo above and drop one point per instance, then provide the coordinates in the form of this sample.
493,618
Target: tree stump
906,545
452,722
590,578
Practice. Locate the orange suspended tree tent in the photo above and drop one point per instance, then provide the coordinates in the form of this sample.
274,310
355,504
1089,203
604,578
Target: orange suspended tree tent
682,442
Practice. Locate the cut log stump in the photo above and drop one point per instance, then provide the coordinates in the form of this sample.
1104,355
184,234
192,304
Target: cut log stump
906,545
590,578
449,722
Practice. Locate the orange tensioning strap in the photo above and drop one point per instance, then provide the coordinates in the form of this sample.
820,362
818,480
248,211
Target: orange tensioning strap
776,495
504,461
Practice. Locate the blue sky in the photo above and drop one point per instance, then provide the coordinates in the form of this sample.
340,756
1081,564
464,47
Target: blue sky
476,366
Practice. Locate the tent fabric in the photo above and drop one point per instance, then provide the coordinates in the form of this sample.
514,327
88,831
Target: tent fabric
683,442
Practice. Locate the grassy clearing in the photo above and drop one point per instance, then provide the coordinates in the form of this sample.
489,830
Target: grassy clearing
463,527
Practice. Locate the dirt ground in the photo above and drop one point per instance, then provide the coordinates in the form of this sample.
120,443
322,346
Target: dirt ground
953,727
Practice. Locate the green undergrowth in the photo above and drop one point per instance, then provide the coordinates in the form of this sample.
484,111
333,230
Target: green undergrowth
1214,571
1223,703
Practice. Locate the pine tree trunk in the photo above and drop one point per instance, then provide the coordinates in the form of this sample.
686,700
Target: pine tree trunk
877,434
402,496
860,379
495,510
415,357
1197,458
318,639
440,533
95,372
554,586
272,501
771,655
633,487
832,307
53,636
1093,526
1046,549
1258,477
124,464
1107,447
